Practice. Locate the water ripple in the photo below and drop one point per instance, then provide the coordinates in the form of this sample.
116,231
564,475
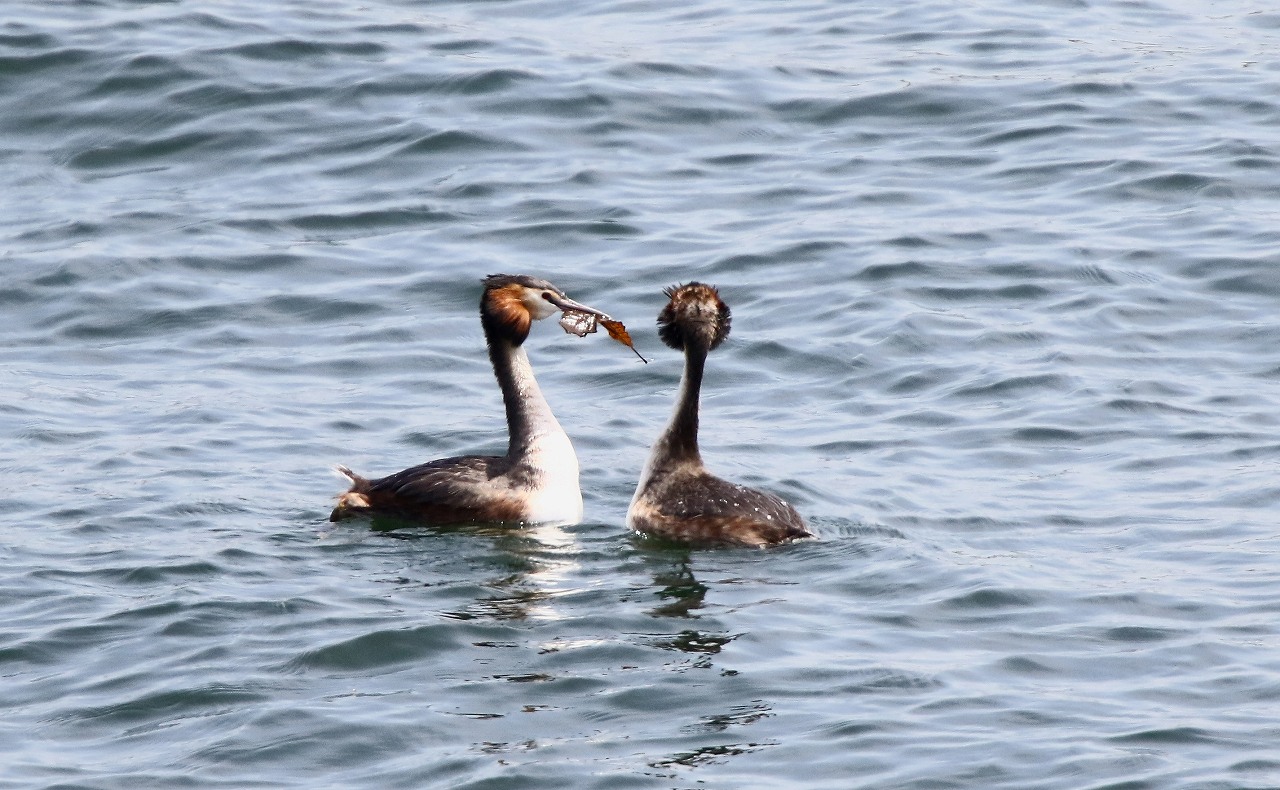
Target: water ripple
1004,286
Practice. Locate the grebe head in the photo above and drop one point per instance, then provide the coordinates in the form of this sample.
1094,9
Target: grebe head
695,317
512,302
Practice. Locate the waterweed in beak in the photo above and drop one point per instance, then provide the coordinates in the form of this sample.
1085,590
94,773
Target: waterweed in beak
583,324
580,324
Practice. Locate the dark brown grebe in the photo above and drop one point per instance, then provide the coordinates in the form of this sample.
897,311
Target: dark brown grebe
677,497
537,480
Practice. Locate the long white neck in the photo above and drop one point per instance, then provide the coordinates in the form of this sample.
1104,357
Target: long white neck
529,416
537,443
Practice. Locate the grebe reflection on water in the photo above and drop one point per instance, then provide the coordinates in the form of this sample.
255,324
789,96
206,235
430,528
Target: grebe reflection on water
677,498
536,482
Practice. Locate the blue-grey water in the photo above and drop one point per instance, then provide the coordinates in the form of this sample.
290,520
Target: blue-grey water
1006,286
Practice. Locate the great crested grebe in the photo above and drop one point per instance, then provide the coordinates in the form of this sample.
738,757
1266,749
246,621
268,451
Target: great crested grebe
677,498
536,482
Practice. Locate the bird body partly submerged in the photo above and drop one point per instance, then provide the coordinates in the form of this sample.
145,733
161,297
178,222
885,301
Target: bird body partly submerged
539,489
677,498
536,481
469,488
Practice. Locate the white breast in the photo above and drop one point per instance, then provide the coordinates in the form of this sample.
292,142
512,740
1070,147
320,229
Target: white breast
556,498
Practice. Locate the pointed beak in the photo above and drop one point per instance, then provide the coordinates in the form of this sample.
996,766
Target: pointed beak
567,305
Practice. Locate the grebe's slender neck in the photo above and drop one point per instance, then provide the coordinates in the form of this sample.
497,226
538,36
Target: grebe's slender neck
680,441
529,417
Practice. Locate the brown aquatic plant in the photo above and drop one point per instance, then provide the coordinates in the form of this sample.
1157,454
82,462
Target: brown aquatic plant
583,324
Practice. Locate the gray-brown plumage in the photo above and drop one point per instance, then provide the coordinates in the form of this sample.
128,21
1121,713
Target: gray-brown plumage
677,498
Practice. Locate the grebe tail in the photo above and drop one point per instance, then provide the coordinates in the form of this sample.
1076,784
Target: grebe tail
677,498
537,480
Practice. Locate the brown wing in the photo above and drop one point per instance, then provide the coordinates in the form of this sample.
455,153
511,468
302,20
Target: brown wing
702,508
447,491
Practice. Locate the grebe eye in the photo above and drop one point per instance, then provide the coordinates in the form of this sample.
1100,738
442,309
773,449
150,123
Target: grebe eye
547,295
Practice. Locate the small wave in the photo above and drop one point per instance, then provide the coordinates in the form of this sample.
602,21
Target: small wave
990,598
176,703
1013,384
457,140
464,83
288,49
1023,292
925,105
1168,736
130,154
1133,633
887,272
379,649
50,60
551,231
371,221
1024,134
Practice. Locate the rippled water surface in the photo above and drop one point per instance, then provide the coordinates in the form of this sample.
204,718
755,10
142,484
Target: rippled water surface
1005,280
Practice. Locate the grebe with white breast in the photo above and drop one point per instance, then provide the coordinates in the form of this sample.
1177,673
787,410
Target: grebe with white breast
536,482
677,498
